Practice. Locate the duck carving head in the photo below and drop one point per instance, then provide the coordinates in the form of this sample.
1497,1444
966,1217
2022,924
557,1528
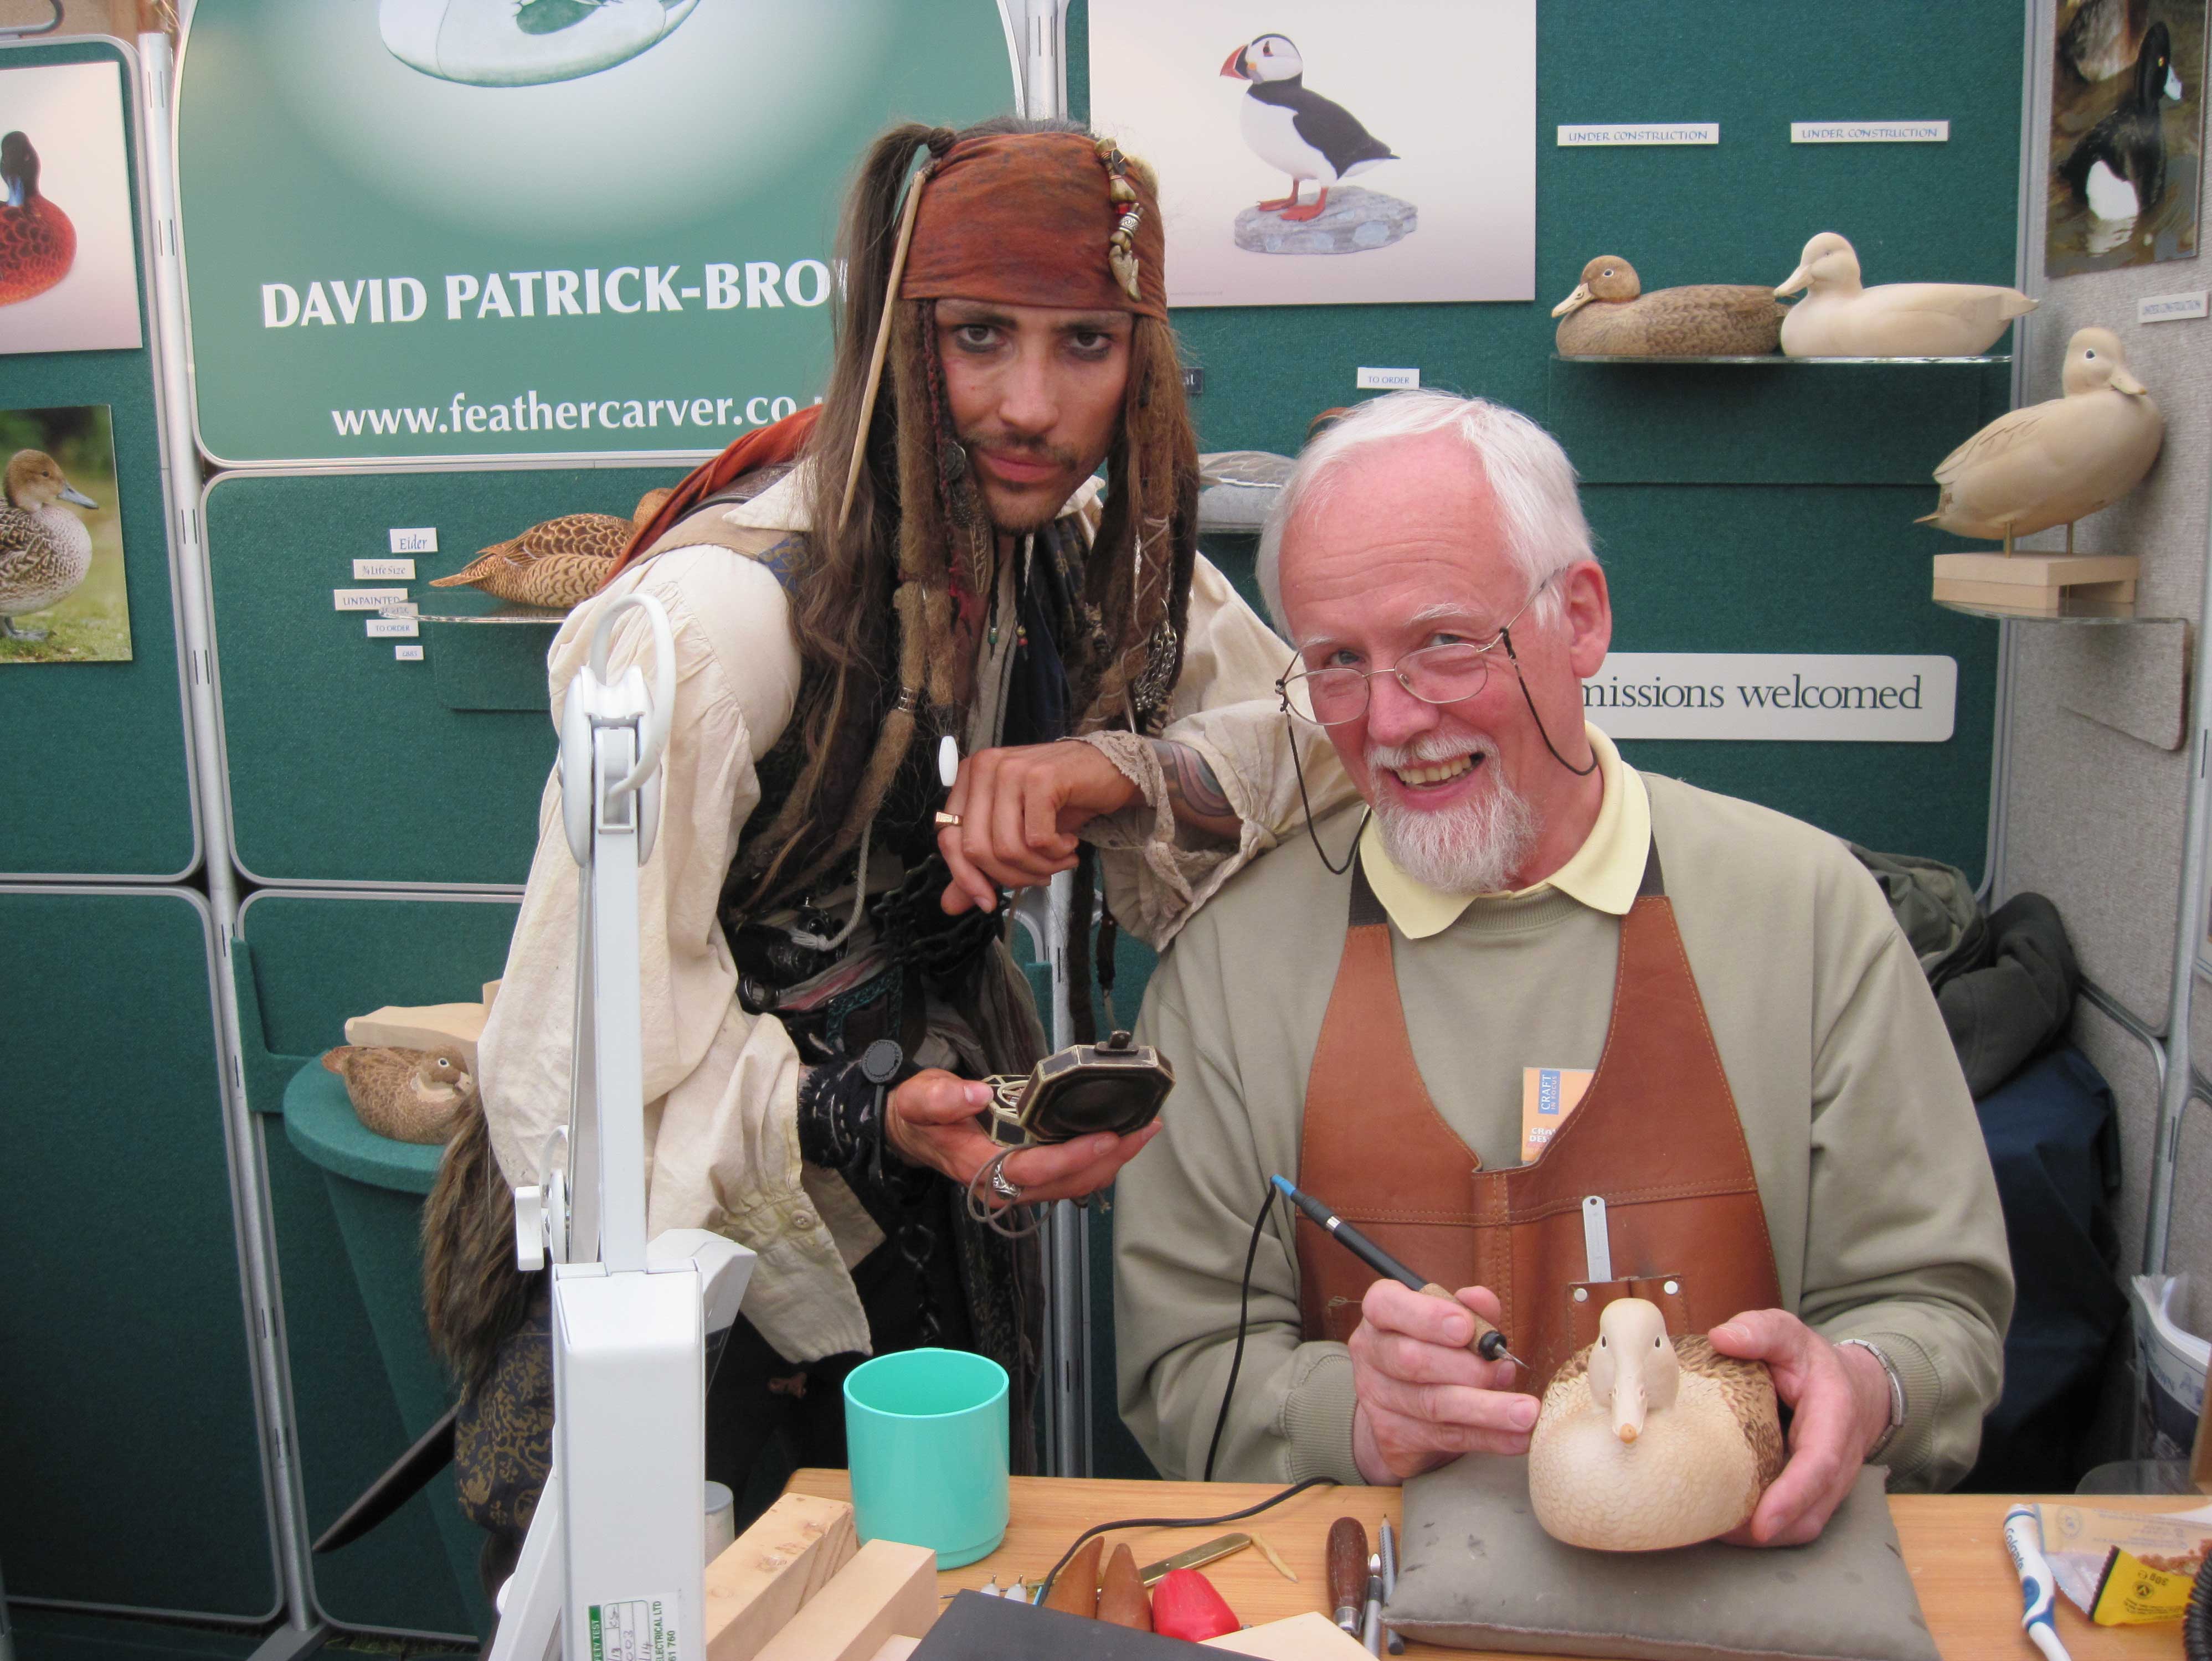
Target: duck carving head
1634,1372
1607,277
34,480
1828,262
2094,361
442,1075
19,168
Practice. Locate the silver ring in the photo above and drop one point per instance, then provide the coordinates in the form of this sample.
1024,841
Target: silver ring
1003,1186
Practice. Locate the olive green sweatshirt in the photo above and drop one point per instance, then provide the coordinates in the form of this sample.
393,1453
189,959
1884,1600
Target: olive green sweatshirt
1876,1186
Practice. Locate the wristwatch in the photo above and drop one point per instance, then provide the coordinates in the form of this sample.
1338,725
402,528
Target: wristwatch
1896,1392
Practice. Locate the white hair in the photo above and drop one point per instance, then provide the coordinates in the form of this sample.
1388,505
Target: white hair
1528,472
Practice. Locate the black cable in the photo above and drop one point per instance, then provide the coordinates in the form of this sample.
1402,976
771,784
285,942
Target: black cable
1506,635
2197,1619
1334,870
1243,1304
1044,1591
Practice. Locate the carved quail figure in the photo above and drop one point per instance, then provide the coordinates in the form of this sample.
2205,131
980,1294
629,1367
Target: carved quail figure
409,1095
44,550
557,564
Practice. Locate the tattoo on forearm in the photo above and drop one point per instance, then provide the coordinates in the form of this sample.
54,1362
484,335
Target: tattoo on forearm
1194,795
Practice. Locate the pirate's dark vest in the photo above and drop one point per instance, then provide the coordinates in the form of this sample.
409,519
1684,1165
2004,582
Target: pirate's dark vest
1656,1135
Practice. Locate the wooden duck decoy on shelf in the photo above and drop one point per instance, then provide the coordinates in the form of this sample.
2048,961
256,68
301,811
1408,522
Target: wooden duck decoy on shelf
1609,315
44,550
2056,461
409,1095
1645,1442
38,243
558,563
1839,318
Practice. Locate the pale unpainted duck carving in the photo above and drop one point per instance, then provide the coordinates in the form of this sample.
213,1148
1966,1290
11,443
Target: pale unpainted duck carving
409,1095
1646,1442
1609,315
44,550
558,563
1839,318
2056,461
38,243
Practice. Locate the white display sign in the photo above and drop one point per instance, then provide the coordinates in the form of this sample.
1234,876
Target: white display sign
2170,308
1835,698
1869,132
422,539
391,628
373,571
1650,133
408,654
1384,380
366,599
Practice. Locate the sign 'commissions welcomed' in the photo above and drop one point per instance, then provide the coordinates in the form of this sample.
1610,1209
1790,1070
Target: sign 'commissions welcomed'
1825,698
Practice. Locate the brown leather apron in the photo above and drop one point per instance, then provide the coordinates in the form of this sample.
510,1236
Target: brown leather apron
1655,1137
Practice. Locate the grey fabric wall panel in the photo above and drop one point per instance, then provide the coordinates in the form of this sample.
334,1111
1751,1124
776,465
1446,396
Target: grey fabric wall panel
2190,1250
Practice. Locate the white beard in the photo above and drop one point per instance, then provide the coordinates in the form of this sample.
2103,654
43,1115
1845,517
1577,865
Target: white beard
1473,848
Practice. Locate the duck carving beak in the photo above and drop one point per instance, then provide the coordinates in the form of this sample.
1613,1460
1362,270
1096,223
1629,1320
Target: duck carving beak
1628,1406
1234,69
1580,298
2122,381
1790,284
71,494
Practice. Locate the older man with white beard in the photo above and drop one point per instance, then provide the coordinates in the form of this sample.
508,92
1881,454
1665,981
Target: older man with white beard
1527,978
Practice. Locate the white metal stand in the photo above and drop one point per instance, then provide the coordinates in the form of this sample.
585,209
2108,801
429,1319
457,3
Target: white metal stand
613,1568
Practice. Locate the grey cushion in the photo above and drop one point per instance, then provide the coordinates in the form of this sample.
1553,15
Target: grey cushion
1476,1571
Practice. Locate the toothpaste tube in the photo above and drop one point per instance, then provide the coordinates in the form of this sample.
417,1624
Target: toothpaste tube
2023,1538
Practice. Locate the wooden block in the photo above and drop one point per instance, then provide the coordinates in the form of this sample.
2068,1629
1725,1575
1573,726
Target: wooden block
428,1026
887,1591
897,1649
1307,1637
2031,602
762,1577
2039,570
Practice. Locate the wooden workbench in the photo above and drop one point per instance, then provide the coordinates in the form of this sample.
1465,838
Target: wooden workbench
1953,1543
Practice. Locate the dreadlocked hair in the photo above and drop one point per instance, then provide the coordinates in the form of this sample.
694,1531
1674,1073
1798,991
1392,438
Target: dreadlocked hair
873,611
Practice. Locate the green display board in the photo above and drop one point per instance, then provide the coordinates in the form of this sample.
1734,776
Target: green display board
393,249
345,764
363,1384
98,748
129,1457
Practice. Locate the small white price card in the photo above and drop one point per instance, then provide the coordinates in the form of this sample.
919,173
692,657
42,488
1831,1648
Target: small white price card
423,539
367,599
383,571
393,628
1387,380
408,654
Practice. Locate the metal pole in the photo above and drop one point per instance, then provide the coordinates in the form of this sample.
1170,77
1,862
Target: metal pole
2188,937
180,477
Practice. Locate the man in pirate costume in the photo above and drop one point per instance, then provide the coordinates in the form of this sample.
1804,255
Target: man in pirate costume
1771,1113
939,564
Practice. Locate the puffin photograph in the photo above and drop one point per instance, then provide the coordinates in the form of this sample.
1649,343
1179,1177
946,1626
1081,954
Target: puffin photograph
1294,130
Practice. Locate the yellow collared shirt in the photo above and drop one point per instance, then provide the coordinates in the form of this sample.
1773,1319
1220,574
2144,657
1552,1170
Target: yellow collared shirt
1604,873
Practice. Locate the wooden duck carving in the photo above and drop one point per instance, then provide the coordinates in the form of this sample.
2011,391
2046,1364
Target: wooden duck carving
44,550
409,1095
1609,315
558,563
1645,1443
38,243
1839,318
2056,461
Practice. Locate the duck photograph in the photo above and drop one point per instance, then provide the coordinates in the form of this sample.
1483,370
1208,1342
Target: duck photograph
1315,153
62,596
2126,110
69,262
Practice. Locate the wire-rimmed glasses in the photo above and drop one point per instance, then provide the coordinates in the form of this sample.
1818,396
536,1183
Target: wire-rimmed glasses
1447,673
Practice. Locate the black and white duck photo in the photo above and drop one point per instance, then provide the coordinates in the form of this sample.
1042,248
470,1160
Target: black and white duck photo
1312,153
62,598
2126,109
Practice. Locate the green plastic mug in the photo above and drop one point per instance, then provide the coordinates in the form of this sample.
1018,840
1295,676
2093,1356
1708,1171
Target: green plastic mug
925,1435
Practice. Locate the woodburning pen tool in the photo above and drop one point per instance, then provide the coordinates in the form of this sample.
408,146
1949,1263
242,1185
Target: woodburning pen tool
1489,1343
